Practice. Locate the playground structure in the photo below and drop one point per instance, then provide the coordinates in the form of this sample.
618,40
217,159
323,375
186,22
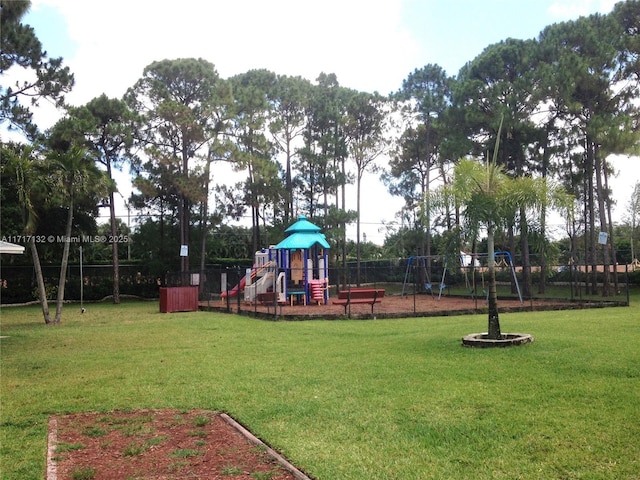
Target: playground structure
261,278
296,269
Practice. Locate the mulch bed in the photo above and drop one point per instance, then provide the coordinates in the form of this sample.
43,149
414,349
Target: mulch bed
393,306
159,444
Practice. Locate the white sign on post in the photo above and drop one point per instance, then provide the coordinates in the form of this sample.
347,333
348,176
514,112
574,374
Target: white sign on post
602,238
184,250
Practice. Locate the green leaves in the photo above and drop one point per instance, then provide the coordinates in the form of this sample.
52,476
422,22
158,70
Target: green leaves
21,47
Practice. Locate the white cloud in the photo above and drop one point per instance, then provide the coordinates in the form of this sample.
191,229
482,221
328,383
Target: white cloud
572,9
357,40
365,43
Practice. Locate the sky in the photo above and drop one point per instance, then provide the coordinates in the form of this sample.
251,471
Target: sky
369,45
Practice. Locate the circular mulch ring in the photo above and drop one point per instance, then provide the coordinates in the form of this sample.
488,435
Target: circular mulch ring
481,340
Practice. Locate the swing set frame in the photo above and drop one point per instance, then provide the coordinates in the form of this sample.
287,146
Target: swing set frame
503,259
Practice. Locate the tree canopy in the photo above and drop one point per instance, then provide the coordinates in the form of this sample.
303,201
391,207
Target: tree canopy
43,77
551,110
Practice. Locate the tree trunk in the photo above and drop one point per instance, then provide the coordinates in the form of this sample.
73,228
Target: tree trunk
542,282
527,281
114,249
205,215
574,259
358,181
512,252
288,208
255,220
183,263
184,233
185,206
42,291
542,260
606,262
614,256
591,225
493,329
425,195
63,266
343,235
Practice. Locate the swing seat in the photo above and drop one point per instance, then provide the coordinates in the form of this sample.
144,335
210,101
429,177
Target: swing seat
427,286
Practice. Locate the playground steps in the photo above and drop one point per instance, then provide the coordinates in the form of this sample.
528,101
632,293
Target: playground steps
316,290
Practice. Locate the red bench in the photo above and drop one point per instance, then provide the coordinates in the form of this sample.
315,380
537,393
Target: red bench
267,299
353,296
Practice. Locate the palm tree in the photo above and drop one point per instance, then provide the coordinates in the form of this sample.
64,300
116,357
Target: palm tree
31,182
75,175
487,198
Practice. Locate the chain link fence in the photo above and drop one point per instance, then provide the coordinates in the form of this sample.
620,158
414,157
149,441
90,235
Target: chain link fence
403,276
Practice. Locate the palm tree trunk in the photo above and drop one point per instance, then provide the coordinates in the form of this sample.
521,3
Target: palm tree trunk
63,265
42,292
493,329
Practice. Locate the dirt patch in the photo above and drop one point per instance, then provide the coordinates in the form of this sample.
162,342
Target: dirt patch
391,306
159,444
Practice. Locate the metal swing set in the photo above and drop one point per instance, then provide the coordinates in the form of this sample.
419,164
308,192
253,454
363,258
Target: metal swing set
420,262
502,258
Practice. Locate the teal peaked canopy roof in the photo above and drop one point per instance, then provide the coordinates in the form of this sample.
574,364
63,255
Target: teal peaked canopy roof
302,235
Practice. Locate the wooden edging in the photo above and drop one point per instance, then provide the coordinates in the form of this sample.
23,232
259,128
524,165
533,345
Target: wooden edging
52,473
52,440
270,451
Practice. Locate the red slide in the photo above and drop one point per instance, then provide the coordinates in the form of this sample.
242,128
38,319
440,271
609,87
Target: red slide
237,289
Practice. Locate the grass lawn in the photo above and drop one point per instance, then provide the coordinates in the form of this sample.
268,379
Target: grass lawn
360,399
